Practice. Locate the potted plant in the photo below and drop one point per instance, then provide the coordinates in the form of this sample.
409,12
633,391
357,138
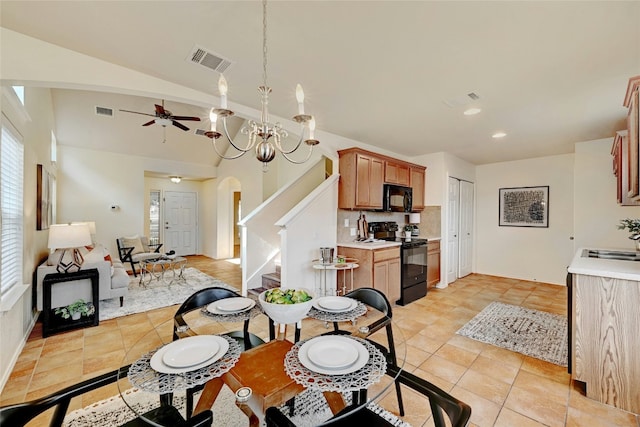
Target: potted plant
633,226
76,309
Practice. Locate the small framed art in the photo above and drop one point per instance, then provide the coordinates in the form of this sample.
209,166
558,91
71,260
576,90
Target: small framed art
524,207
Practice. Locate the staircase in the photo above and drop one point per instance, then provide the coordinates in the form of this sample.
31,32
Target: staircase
269,281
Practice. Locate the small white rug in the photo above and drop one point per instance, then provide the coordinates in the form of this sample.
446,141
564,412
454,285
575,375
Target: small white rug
158,294
535,333
310,410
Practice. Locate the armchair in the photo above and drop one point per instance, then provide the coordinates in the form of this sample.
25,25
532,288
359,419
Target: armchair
135,249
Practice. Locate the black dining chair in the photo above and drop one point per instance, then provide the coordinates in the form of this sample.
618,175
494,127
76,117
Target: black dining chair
442,403
20,414
376,299
205,296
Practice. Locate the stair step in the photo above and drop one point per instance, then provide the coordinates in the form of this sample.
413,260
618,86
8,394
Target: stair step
269,281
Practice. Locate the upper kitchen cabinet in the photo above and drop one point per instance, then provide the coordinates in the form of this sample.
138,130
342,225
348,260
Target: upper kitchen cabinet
396,173
626,149
361,179
364,173
417,184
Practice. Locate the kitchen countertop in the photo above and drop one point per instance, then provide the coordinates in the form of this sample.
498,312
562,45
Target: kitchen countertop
370,245
616,269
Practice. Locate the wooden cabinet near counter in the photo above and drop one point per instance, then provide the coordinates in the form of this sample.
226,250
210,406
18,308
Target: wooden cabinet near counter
433,263
364,173
361,179
379,268
604,339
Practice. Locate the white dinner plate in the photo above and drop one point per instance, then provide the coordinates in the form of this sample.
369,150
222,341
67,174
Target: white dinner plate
231,305
332,353
158,365
190,351
335,304
345,344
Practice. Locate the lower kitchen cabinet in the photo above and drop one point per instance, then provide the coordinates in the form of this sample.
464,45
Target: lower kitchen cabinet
433,263
379,268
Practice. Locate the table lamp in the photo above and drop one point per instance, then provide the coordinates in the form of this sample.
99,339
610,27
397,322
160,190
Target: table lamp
65,239
92,229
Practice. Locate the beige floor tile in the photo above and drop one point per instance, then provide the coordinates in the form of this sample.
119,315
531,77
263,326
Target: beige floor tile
537,407
509,418
484,385
443,368
501,371
457,355
483,411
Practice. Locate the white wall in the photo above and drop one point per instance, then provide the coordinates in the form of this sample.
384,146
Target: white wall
18,320
596,213
90,182
530,253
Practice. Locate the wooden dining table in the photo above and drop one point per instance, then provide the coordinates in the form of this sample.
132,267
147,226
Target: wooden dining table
272,370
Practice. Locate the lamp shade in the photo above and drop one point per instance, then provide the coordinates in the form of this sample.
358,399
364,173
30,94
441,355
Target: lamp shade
62,236
414,218
92,226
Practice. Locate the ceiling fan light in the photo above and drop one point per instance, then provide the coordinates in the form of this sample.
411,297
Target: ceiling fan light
175,179
163,122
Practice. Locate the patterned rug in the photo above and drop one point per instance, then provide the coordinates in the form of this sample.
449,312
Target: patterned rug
158,294
310,410
535,333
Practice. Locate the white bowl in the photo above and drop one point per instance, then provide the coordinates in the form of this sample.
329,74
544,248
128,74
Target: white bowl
286,313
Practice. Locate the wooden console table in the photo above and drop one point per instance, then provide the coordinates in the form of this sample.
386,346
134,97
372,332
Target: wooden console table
52,324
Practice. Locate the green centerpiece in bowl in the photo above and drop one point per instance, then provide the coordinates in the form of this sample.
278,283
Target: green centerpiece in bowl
286,306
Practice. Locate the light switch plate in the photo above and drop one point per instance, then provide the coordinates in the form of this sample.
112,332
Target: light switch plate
353,231
346,222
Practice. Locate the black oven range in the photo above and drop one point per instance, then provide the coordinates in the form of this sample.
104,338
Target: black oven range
413,257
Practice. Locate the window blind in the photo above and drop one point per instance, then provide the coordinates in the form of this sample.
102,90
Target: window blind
11,195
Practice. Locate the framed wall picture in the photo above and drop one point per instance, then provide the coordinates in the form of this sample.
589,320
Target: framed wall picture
524,207
45,199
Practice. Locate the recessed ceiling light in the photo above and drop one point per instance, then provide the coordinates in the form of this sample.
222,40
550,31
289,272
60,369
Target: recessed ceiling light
499,135
472,111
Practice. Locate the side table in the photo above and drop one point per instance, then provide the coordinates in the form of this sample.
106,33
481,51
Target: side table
349,264
51,323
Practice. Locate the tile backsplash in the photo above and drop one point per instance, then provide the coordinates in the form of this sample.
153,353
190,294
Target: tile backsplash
429,221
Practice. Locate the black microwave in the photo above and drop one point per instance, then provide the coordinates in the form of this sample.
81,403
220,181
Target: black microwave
396,198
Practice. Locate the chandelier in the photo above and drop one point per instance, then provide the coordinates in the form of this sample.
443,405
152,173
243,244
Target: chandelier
265,137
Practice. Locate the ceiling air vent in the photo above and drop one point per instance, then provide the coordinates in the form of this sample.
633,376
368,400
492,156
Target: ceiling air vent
200,132
208,59
104,111
461,100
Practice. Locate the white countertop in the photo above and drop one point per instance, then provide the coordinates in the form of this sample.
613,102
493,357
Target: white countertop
380,244
616,269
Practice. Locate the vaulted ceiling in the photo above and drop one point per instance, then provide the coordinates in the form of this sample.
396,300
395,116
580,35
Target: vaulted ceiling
393,74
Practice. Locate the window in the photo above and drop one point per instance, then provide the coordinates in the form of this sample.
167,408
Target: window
11,223
154,217
19,90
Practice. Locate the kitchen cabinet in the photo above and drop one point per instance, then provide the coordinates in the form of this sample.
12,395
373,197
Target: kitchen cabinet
379,268
604,321
364,173
626,149
396,173
433,263
417,175
361,180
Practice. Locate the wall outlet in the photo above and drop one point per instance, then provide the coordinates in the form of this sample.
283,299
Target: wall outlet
353,231
346,222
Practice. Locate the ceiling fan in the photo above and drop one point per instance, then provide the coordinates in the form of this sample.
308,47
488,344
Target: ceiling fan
164,117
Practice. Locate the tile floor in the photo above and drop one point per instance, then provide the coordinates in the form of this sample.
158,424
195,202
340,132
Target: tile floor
504,388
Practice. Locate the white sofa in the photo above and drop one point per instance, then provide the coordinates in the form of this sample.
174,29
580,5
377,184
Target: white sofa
113,280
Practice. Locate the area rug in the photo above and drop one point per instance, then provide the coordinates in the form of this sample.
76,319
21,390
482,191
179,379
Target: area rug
531,332
158,294
310,410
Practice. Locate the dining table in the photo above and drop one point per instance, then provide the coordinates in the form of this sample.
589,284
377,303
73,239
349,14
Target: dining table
334,352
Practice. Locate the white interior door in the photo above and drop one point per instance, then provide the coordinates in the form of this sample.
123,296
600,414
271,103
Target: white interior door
453,219
180,222
466,229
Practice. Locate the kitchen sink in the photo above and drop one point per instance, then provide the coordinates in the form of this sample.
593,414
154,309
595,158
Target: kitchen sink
607,254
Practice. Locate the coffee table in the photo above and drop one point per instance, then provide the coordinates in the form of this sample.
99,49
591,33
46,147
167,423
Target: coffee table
156,269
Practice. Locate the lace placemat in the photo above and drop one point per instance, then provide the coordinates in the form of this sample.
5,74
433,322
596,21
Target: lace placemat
143,376
329,316
234,317
360,379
